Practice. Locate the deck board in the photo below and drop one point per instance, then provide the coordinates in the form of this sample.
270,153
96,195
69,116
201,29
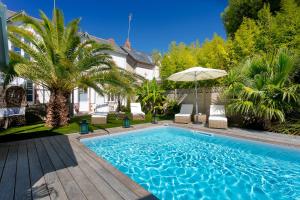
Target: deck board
39,189
3,156
7,184
23,188
60,167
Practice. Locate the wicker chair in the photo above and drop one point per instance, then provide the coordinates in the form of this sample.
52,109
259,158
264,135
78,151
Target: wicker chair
100,114
217,118
185,115
136,111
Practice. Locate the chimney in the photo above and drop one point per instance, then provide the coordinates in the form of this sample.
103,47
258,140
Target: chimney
127,44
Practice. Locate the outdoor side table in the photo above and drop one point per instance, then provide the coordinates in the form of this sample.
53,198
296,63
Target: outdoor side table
201,118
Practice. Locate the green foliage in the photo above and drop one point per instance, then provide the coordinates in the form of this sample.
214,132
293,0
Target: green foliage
263,90
280,30
179,57
291,127
215,53
151,96
245,39
237,10
148,116
170,107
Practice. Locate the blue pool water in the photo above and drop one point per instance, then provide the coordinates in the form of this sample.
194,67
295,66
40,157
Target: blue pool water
175,163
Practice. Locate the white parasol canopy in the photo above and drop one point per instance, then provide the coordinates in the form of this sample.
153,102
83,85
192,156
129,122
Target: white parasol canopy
196,74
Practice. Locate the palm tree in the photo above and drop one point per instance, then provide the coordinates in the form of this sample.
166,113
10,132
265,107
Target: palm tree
262,89
60,61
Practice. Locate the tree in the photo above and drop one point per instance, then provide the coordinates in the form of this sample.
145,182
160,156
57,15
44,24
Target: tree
262,89
245,39
151,96
214,53
178,58
123,91
60,61
280,30
237,10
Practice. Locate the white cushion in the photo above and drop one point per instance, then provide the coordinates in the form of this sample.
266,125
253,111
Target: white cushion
218,110
138,113
136,108
182,115
104,108
186,109
217,118
98,116
14,111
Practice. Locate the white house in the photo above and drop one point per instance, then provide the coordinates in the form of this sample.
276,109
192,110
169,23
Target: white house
124,57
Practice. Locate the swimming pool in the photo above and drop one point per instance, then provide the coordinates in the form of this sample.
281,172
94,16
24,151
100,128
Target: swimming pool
176,163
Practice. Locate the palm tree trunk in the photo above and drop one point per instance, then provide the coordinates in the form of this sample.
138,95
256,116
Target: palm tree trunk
119,103
58,109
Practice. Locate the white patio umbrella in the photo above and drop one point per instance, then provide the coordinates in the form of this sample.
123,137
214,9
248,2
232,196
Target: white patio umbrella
196,74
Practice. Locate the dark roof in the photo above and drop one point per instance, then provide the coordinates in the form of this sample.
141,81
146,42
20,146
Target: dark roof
139,56
116,48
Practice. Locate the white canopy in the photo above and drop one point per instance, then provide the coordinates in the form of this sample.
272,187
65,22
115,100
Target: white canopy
196,74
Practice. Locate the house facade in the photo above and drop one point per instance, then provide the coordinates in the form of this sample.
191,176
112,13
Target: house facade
86,101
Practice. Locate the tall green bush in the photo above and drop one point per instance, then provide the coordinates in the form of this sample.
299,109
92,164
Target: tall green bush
151,96
262,90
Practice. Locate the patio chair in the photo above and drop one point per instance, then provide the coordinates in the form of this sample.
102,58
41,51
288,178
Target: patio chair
185,114
217,118
100,114
136,111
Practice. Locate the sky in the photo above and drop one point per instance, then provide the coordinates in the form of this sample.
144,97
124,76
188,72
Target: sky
155,23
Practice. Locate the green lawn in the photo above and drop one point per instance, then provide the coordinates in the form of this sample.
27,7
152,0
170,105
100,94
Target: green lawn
39,130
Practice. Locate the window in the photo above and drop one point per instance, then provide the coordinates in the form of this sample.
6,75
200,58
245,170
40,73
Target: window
29,91
111,97
83,95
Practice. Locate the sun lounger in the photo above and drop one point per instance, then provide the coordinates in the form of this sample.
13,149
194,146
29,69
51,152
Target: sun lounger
100,114
217,118
185,115
136,111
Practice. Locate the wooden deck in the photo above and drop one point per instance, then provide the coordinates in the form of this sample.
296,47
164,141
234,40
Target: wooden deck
61,167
